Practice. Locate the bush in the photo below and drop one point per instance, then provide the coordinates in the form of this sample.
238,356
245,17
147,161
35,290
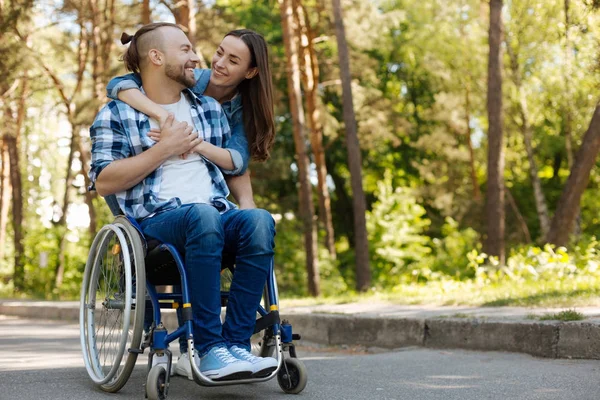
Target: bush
547,263
396,227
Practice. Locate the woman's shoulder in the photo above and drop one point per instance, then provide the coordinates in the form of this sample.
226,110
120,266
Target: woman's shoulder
202,76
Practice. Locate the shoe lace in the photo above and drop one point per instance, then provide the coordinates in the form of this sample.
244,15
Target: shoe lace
224,355
243,353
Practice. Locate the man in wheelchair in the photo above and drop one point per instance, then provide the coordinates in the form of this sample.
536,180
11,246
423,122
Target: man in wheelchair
175,189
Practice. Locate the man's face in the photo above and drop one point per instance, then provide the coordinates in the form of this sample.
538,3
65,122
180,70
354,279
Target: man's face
180,58
231,63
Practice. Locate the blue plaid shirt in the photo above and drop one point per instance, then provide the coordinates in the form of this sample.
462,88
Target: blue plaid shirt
119,132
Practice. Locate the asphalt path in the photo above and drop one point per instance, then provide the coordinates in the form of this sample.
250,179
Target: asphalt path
41,360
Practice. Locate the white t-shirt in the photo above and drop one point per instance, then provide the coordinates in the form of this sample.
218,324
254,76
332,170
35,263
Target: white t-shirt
187,179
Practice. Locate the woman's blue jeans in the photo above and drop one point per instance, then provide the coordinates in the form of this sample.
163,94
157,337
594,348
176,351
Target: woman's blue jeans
201,235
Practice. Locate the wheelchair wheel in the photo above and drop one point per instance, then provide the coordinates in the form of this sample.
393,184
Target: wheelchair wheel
156,383
292,376
111,323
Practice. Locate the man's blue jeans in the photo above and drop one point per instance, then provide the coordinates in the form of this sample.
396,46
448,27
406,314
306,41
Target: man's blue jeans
201,235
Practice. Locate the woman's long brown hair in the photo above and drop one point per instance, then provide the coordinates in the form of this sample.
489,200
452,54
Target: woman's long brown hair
257,97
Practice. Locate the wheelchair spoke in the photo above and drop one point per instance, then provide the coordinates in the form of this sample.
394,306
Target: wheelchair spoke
110,301
110,321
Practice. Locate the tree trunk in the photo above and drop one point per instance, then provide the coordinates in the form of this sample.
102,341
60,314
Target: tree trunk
363,268
568,112
5,197
12,140
17,187
96,43
569,203
567,79
540,200
17,212
184,12
310,80
146,12
297,111
494,208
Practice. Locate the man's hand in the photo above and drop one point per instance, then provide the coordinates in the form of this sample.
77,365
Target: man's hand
176,138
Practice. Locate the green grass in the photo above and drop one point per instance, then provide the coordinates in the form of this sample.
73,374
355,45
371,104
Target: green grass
567,315
576,292
461,315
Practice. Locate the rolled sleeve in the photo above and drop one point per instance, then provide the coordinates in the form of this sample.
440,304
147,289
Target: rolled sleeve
129,81
109,143
238,148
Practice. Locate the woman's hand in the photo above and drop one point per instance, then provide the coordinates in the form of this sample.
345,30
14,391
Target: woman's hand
154,134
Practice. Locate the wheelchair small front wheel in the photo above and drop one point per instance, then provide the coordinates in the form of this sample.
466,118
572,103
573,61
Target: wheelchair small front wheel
156,383
292,376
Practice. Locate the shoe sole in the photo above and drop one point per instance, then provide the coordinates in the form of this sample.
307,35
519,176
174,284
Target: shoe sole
263,373
233,377
182,373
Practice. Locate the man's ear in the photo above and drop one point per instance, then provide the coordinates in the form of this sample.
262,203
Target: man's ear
252,72
156,57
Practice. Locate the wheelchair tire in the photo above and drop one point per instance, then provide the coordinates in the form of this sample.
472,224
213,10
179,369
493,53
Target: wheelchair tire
292,376
109,293
156,383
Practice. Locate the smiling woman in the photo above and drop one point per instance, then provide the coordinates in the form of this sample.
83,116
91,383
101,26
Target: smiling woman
231,64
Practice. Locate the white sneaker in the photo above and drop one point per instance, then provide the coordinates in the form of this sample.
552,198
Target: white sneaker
183,366
164,360
261,366
219,364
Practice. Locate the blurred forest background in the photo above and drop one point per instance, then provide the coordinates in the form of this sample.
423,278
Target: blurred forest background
424,147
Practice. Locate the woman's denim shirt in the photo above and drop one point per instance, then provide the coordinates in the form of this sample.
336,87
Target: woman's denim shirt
237,145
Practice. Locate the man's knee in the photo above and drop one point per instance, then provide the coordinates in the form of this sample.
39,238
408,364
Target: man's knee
204,218
260,225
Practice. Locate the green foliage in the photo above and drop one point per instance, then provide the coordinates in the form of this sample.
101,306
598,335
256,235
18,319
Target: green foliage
566,315
533,263
449,255
290,263
396,226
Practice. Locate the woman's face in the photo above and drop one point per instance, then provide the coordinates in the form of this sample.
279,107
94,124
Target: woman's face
231,63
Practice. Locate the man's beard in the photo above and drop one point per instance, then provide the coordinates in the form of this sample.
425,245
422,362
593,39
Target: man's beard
179,75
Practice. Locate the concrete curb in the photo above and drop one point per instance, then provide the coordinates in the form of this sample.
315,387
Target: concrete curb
552,339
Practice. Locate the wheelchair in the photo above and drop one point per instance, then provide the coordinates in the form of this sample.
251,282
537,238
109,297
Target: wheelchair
119,284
